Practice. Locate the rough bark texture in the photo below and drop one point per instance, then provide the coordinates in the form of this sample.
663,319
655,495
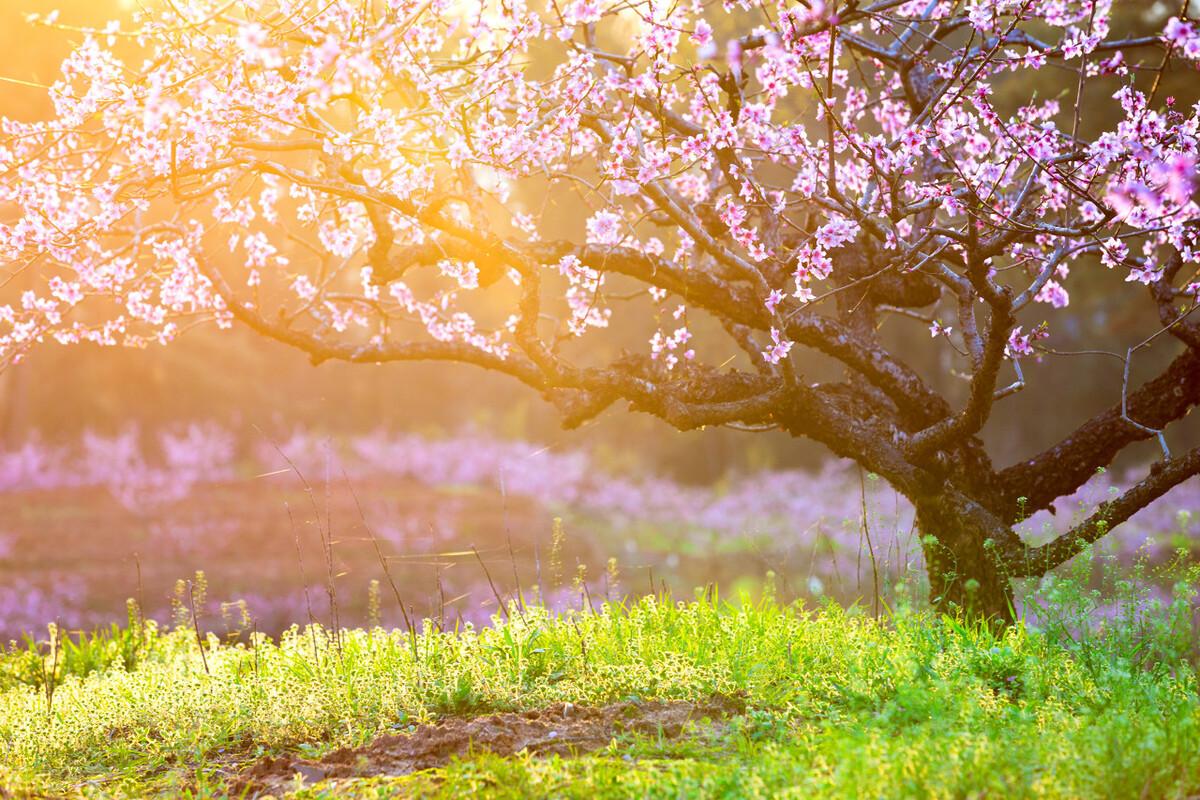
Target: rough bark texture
1066,466
967,574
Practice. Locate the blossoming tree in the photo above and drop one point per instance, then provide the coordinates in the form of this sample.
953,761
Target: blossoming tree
371,181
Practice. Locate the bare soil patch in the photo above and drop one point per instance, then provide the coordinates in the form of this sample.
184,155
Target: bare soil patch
562,729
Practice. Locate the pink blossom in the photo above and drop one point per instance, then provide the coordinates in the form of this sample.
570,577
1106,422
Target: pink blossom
1054,294
604,228
836,232
1183,35
1021,344
779,348
584,11
286,132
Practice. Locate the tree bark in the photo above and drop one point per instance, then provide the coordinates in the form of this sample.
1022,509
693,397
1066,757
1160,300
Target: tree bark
962,559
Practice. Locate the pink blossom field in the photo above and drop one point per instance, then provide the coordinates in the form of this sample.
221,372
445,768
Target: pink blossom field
90,524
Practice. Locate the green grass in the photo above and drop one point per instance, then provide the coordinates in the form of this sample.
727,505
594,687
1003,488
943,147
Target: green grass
838,705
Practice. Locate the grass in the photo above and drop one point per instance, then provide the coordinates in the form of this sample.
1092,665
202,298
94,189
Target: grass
838,704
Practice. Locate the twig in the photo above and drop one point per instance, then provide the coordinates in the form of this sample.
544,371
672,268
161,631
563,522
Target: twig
866,529
254,645
196,628
141,610
516,579
50,682
495,593
441,600
327,550
582,646
331,577
412,631
511,555
312,621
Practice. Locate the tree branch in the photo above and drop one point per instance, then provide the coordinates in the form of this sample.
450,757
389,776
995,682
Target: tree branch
1062,469
1164,476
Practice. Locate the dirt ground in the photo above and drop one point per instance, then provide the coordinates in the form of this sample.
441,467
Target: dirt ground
562,729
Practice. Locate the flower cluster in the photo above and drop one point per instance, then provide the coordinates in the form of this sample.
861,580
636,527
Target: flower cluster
250,164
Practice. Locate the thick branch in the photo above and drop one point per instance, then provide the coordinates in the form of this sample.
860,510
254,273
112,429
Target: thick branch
1065,467
1164,294
729,302
320,349
975,414
1163,477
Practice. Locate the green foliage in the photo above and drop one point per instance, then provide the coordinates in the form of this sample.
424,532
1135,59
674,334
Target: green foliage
838,704
1124,616
33,662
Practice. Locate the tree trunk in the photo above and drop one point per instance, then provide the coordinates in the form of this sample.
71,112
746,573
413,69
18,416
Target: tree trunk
965,574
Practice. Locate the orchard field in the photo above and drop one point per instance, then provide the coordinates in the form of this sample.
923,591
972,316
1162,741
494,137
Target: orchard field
739,674
599,398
